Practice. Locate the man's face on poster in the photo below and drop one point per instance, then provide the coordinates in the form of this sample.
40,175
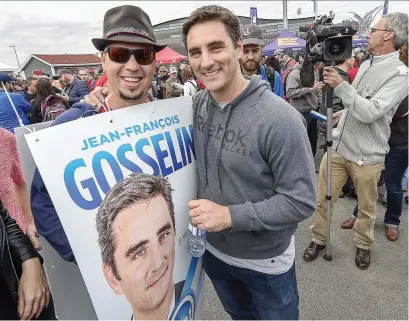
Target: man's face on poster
144,255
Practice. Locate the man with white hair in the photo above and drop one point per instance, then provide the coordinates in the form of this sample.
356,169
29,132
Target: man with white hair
361,138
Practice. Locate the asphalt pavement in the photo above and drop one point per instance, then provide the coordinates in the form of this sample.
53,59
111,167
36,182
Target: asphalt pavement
338,290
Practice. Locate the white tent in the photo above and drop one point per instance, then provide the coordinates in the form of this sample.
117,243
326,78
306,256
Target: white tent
6,68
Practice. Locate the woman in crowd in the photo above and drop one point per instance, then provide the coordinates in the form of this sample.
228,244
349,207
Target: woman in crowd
13,189
190,85
24,293
46,98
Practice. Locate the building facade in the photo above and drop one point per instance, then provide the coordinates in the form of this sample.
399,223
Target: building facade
170,32
50,64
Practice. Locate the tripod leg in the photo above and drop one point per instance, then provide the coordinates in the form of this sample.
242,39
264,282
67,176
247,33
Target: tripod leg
328,101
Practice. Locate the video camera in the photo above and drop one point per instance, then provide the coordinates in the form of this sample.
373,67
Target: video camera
328,42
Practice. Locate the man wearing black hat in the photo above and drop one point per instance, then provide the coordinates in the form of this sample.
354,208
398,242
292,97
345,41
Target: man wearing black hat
75,89
128,49
8,117
250,61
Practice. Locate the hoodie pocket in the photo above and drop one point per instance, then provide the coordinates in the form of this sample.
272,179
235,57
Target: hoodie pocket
262,240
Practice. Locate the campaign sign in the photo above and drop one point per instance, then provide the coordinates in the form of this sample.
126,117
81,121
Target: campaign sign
128,231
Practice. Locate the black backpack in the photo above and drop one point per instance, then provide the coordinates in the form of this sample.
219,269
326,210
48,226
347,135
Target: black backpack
270,76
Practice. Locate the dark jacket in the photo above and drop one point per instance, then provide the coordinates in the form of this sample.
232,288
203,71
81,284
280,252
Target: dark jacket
76,91
161,87
28,97
399,125
45,216
15,249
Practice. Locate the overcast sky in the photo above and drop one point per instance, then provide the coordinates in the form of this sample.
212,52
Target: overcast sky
58,27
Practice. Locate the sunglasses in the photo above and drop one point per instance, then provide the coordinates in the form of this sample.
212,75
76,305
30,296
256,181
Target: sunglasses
122,55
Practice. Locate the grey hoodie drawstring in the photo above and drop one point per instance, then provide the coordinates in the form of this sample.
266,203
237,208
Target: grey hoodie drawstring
206,139
219,155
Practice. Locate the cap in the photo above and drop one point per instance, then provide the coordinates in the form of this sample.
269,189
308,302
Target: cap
173,70
251,35
6,78
277,52
64,71
128,24
288,51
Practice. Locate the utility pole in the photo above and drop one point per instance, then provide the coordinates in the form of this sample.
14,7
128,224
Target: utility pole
285,19
16,55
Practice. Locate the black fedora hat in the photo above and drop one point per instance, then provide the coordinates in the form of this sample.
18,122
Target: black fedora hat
127,24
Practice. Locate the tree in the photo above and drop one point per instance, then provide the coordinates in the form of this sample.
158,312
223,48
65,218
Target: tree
365,22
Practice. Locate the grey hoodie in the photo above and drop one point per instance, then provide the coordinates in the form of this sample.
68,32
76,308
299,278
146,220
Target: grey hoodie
304,99
263,171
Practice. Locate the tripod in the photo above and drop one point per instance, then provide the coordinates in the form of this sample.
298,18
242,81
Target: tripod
328,93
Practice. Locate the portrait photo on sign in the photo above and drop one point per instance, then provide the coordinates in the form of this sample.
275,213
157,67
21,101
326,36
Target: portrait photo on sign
136,234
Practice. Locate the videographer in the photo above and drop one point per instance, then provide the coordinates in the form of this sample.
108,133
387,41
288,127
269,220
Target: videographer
303,97
361,138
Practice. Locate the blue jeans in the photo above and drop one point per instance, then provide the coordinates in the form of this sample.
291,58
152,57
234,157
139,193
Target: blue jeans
396,163
312,131
251,295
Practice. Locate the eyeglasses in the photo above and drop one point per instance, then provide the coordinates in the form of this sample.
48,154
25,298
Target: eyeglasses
122,55
373,30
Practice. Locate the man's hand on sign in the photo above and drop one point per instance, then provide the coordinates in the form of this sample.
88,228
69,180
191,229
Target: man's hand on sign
209,216
96,98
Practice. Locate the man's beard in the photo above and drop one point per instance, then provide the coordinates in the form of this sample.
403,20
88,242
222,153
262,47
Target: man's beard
251,66
130,98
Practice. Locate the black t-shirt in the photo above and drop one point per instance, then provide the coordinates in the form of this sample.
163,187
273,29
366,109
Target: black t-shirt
399,125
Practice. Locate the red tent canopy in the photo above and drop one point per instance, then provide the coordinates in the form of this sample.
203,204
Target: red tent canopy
168,56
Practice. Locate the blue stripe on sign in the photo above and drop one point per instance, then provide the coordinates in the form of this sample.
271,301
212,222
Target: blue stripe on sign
190,276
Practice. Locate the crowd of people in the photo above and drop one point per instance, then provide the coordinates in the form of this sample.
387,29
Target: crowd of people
250,204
